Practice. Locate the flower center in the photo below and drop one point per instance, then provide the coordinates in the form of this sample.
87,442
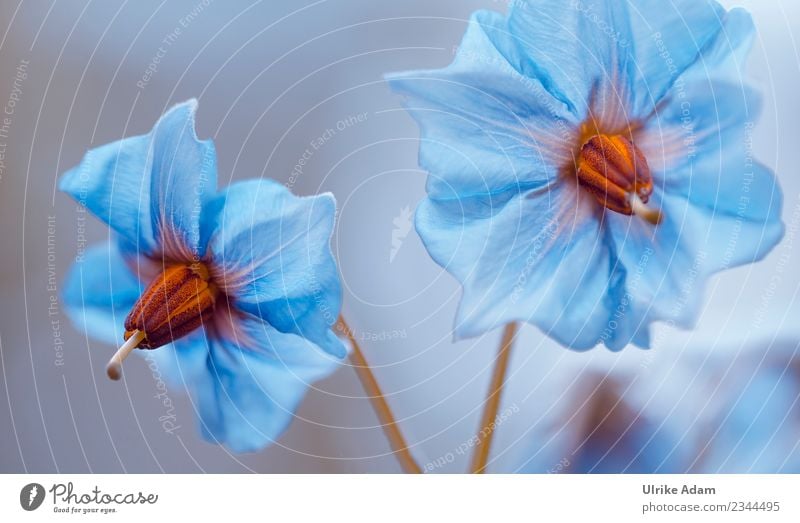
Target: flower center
177,302
615,171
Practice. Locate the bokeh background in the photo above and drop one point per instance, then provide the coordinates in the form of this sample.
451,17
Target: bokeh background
272,77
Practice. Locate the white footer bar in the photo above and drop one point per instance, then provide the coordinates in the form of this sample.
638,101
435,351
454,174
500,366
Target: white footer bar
355,498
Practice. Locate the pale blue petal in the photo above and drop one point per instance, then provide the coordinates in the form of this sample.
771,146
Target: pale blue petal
151,189
99,291
724,56
484,126
701,147
582,51
538,257
248,396
182,363
270,254
669,38
112,181
184,179
619,58
721,208
673,260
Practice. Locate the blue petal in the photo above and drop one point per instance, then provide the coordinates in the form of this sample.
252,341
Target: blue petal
673,261
700,146
721,208
485,127
669,38
724,56
150,189
247,397
182,363
537,257
99,291
619,59
270,253
184,179
582,52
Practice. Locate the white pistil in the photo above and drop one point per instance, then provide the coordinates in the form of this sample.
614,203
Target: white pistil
644,212
114,367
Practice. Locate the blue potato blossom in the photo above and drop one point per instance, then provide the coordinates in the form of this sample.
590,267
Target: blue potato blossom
603,432
239,287
755,413
591,165
698,415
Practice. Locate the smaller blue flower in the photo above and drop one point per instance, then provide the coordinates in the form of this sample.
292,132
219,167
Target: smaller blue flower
239,289
590,166
706,415
753,414
598,429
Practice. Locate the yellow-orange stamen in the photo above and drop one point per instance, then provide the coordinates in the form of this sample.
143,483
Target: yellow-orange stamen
173,305
177,302
616,172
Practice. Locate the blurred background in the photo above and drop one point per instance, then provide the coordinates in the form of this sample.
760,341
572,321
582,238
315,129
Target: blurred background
272,77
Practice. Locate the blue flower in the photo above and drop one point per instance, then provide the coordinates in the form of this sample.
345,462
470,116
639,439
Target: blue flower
239,287
754,413
591,165
601,431
713,414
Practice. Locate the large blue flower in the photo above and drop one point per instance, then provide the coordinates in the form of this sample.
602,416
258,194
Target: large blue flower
590,165
263,289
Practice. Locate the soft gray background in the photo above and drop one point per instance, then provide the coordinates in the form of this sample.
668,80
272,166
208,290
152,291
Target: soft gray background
271,77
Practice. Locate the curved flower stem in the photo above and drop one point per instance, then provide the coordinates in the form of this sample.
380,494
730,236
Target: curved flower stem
484,440
370,384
